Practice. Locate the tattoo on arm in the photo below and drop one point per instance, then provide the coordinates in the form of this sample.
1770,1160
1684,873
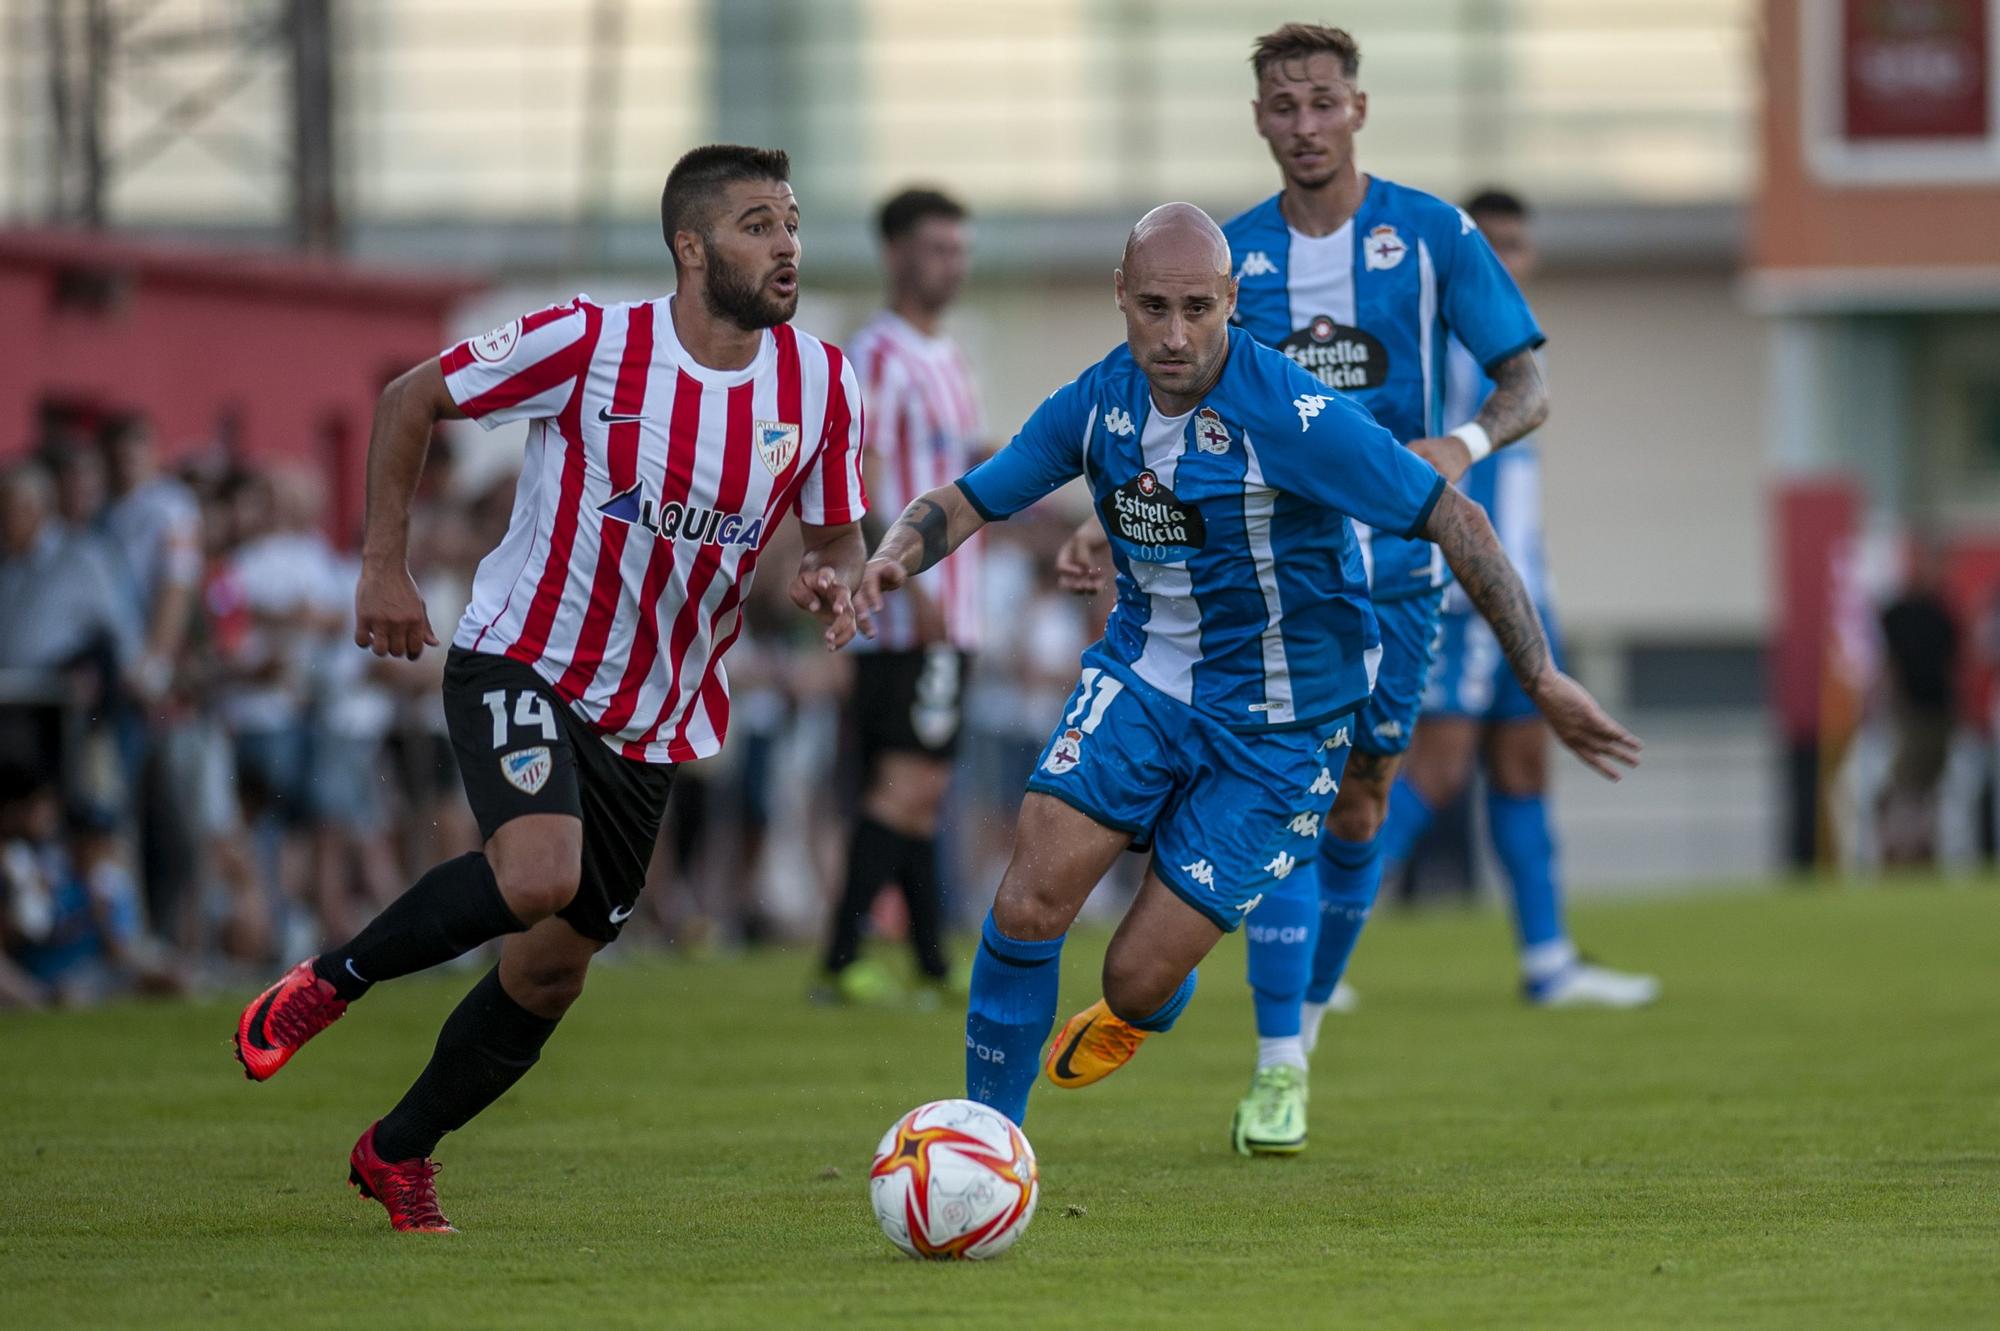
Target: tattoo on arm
933,527
1519,401
1461,530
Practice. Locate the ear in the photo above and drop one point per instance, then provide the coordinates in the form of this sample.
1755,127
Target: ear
1118,287
1232,297
688,250
1360,108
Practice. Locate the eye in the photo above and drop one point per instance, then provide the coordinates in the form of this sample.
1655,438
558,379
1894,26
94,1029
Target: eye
757,228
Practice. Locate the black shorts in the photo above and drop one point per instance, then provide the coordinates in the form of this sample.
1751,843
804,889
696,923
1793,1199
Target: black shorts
522,750
909,702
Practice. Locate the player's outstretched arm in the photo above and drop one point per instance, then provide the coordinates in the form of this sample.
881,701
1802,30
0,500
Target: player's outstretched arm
935,524
389,617
1516,407
829,571
1461,530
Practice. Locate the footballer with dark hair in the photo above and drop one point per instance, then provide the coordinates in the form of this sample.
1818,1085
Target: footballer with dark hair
666,441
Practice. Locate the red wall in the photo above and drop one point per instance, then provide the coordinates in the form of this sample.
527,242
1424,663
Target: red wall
296,350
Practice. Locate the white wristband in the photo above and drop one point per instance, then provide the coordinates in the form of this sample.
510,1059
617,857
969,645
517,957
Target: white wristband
1477,441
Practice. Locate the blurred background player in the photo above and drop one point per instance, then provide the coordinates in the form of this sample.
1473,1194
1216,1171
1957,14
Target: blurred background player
669,438
1475,711
922,431
1360,281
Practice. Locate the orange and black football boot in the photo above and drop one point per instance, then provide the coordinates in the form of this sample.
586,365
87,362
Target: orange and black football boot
280,1020
407,1188
1091,1046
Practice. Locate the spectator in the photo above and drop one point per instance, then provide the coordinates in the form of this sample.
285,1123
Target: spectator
1920,637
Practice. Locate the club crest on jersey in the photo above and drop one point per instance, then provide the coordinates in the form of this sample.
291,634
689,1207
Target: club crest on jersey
1383,249
777,444
528,770
1210,435
1065,753
1337,355
493,347
683,522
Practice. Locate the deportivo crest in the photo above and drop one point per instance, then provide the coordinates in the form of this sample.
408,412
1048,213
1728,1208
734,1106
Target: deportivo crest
528,770
1065,753
494,346
777,444
1210,435
1383,249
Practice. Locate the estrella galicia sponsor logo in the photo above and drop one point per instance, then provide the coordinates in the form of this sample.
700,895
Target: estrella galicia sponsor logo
683,522
1145,514
1338,356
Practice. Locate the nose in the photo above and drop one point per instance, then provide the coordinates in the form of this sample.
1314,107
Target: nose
787,247
1177,334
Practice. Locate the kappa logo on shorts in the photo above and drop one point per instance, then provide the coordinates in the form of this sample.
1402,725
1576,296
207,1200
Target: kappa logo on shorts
1065,753
1202,872
528,770
1281,865
1340,739
1323,784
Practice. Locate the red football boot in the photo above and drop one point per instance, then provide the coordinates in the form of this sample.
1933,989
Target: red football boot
282,1018
407,1188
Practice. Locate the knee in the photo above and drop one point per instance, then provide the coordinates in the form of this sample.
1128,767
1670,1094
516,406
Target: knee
1356,820
1029,913
547,987
537,881
1520,769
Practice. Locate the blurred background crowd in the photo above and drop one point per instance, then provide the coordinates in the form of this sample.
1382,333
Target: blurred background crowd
1770,282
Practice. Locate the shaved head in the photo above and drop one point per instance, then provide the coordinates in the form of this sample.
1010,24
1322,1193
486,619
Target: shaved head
1175,290
1178,236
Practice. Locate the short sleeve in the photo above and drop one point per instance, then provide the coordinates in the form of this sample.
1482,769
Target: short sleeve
1479,301
523,370
833,492
1044,456
1332,452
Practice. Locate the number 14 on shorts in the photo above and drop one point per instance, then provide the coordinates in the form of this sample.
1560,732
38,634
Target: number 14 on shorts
531,712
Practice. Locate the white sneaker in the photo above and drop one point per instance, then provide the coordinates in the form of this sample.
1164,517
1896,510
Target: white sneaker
1585,985
1343,1001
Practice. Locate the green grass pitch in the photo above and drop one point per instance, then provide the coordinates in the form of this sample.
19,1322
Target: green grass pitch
1806,1133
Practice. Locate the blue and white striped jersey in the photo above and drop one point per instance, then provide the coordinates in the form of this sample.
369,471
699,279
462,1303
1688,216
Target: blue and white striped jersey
1508,485
1241,590
1368,310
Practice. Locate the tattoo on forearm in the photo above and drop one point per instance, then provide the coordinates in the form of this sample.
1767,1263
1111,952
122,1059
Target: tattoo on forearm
1519,401
925,525
1489,579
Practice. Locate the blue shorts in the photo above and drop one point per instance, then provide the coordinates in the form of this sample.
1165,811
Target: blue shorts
1230,814
1472,678
1409,645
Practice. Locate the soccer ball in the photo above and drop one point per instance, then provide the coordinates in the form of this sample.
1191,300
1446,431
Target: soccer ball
954,1180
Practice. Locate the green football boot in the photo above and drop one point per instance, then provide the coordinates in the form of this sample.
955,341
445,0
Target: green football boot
1271,1120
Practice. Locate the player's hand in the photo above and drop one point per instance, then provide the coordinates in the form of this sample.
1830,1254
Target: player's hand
1080,562
1584,727
820,593
879,577
389,616
1447,453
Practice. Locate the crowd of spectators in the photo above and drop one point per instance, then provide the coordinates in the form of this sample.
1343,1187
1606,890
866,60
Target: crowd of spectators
202,777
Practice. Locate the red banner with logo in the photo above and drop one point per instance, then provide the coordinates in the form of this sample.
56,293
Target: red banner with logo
1916,69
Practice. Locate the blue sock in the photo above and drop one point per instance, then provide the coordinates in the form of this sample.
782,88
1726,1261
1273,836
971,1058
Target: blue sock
1169,1012
1527,850
1281,956
1012,1007
1410,816
1350,874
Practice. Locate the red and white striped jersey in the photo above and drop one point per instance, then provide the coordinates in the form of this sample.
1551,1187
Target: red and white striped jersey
650,487
923,429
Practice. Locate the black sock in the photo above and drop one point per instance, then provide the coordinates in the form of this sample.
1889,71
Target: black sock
488,1043
451,910
871,862
923,891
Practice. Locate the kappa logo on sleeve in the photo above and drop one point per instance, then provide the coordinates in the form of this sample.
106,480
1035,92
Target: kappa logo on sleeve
528,770
1309,406
494,347
1118,421
1256,264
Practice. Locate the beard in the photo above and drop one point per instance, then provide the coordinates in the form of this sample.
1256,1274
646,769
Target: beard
737,295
